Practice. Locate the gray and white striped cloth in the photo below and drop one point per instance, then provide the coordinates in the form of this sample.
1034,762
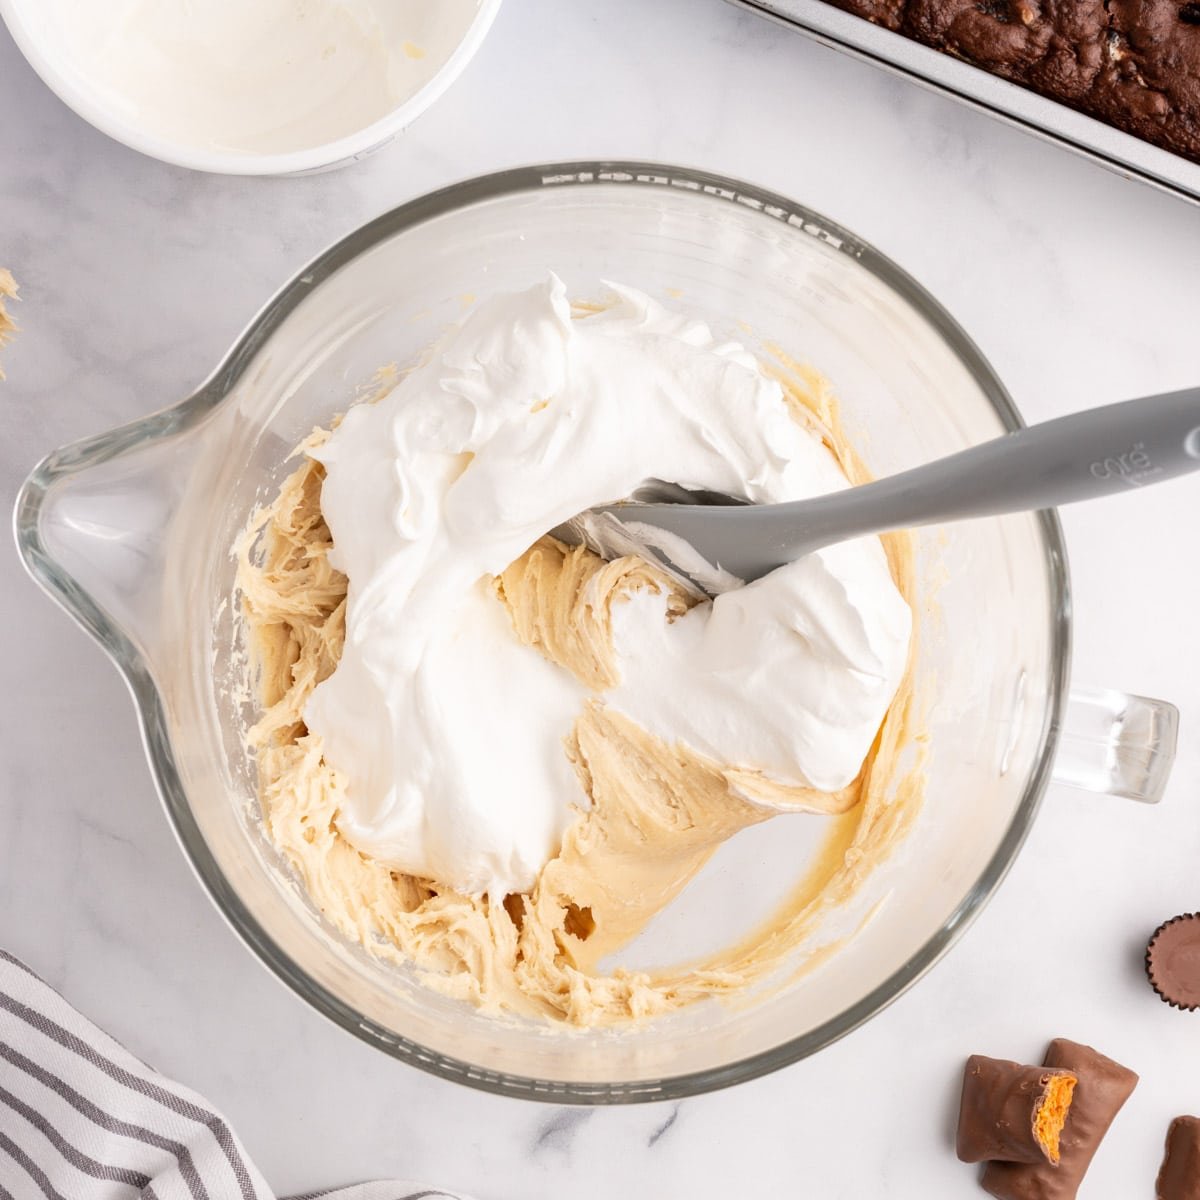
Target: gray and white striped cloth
82,1119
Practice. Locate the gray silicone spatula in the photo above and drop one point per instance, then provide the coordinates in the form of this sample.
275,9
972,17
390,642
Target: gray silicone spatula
1100,452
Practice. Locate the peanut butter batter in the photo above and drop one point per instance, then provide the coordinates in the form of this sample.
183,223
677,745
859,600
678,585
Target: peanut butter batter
657,812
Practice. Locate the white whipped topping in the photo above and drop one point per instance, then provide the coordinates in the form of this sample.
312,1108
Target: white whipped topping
447,730
790,675
257,76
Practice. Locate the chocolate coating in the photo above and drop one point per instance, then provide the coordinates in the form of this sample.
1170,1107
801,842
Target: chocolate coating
1179,1178
1103,1088
1173,961
997,1117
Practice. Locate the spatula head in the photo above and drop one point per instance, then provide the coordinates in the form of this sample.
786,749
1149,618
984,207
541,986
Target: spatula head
614,531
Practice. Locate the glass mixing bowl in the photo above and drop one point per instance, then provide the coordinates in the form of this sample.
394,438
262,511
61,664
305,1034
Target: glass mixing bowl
131,532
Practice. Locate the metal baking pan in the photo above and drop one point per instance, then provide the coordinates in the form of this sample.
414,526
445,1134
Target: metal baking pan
1047,119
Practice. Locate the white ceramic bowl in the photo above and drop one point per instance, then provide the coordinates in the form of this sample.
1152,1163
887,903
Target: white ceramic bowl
40,30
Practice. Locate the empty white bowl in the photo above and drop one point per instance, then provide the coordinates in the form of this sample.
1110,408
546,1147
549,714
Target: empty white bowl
274,87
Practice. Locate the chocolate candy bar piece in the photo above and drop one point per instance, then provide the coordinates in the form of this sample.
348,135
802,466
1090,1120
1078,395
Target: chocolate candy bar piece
1179,1178
1011,1113
1103,1088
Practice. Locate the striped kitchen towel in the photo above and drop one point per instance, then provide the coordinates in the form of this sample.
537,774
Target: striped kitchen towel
82,1119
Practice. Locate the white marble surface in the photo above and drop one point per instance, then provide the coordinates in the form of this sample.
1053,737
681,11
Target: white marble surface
1079,285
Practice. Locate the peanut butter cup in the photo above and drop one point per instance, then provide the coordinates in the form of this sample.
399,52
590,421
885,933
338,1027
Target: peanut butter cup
1173,961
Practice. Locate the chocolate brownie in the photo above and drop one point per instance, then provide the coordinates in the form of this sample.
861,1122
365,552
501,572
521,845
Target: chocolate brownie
888,13
1132,63
1004,36
1074,54
1150,83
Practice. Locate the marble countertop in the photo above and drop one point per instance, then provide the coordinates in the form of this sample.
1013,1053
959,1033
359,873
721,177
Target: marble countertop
1081,288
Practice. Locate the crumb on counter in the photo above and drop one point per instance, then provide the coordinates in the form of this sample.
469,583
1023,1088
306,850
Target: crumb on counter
8,291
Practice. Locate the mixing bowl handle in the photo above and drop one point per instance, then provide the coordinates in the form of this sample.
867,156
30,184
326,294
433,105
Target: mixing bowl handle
1117,744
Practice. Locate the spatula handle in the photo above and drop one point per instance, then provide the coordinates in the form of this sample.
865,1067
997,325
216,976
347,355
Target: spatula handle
1102,451
1079,457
